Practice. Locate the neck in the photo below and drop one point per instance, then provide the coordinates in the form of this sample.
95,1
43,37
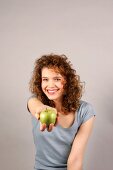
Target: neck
58,106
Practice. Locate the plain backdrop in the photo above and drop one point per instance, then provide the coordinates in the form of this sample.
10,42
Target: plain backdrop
82,30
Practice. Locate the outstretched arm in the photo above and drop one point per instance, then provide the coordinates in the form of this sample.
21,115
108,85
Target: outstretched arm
34,106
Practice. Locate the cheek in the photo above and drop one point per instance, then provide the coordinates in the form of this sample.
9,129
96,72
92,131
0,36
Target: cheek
61,86
42,86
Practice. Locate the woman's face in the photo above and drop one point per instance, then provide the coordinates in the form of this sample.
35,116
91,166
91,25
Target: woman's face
52,84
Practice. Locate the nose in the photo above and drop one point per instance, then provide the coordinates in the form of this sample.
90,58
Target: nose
51,84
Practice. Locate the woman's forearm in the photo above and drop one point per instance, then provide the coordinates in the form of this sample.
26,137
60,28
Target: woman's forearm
34,105
74,166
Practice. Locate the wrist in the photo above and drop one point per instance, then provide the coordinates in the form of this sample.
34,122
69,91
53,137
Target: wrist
38,110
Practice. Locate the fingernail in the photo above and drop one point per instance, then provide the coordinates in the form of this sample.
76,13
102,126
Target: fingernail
44,124
41,128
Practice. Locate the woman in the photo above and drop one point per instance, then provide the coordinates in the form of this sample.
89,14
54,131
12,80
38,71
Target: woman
55,84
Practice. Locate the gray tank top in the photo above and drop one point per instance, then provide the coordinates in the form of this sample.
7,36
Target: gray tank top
53,148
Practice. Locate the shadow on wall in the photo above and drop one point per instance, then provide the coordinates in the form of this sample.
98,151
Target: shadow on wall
108,105
102,152
101,155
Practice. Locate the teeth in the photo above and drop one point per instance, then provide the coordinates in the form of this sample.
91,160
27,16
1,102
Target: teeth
52,91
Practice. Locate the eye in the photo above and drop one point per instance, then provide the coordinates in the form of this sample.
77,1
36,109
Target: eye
57,79
44,79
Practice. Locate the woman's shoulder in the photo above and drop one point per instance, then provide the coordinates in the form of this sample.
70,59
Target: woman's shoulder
85,104
85,111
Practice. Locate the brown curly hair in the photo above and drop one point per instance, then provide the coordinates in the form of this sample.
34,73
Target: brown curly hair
73,87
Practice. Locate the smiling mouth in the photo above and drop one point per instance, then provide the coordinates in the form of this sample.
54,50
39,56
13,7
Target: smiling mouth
52,91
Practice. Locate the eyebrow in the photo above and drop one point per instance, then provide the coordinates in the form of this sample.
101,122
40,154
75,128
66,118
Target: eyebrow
54,77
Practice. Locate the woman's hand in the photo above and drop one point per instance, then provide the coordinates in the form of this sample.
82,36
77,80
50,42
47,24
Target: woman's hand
43,126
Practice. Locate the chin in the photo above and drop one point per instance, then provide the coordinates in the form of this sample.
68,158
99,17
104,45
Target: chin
52,97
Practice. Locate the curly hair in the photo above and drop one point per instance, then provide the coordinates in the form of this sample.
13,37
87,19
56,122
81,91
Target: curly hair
73,87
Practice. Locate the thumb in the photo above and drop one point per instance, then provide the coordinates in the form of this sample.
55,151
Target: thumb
37,115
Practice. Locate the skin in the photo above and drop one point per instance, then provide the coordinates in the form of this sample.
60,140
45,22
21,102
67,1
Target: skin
53,81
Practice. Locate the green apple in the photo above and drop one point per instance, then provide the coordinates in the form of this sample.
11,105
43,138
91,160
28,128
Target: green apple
48,116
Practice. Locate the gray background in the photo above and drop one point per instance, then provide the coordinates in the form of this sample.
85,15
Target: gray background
83,30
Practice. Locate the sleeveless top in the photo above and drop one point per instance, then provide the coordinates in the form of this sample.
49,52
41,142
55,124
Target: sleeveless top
53,148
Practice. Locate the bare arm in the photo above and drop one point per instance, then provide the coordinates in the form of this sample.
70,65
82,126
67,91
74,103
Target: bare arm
75,159
35,106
